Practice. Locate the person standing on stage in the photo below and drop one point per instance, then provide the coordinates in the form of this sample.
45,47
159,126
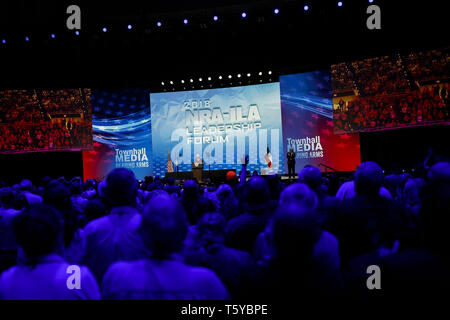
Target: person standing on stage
291,163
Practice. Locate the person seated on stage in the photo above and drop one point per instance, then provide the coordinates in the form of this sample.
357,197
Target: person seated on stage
194,204
242,231
42,274
368,221
209,251
162,275
115,236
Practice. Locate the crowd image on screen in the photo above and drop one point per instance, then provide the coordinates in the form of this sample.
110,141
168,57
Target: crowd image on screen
391,91
248,236
44,120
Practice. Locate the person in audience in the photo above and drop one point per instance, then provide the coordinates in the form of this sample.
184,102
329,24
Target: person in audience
291,272
171,187
26,188
209,251
326,249
347,191
162,275
8,245
43,274
368,221
115,236
242,231
228,203
95,208
194,204
58,195
411,273
312,177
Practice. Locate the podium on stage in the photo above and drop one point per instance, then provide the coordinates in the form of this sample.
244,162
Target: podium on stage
197,170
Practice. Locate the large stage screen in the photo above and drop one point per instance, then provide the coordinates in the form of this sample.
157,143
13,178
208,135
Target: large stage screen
45,120
219,126
122,133
307,113
401,90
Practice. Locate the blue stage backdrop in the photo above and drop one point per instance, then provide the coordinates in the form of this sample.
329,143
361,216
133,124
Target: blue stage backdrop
122,133
220,126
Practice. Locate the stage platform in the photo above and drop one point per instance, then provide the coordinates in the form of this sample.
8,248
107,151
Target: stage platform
212,175
219,176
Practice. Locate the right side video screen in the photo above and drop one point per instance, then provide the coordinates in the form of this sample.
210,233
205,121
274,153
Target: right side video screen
401,90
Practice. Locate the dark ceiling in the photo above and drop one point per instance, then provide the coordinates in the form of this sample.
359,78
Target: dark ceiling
292,41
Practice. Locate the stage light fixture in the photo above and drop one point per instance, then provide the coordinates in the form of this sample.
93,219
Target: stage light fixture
243,14
248,74
200,79
129,27
182,81
276,11
192,80
239,75
220,77
209,78
306,7
270,72
162,83
185,21
104,29
3,41
260,73
215,18
77,33
52,36
340,4
159,24
370,1
27,39
229,76
171,82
